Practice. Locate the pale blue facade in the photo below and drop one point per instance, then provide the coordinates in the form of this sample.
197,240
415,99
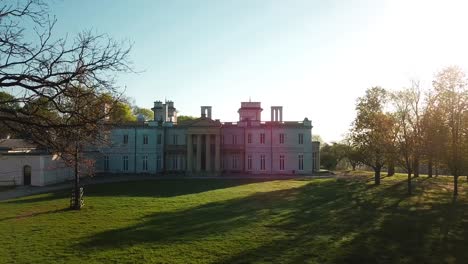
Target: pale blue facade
206,146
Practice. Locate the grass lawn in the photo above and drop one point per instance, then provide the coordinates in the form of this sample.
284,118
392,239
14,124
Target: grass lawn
344,220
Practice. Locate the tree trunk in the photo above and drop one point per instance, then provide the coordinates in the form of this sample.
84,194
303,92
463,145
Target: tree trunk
416,168
391,169
429,168
77,205
354,166
409,183
455,185
437,170
377,177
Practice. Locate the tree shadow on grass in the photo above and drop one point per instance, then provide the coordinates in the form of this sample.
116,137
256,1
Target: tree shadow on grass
36,198
165,187
374,228
337,221
27,215
143,188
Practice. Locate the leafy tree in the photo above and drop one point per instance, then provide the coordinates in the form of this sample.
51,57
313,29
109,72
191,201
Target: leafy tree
372,130
352,154
408,117
332,154
328,158
122,113
451,91
435,135
147,113
182,118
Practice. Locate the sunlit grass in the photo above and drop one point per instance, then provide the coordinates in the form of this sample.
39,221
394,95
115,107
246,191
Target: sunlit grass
212,221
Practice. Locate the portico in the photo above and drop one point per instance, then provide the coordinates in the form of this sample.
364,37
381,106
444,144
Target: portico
204,146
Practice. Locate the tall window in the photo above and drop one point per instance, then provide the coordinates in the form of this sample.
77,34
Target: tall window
159,139
234,139
262,138
106,163
125,139
145,163
174,162
262,162
301,138
145,139
158,162
125,163
249,162
234,161
175,139
281,138
249,138
281,165
301,161
222,139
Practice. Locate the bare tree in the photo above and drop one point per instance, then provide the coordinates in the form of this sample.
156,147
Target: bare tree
49,77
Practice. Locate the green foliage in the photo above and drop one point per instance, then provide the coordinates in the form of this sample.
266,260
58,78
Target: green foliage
451,98
147,113
372,131
182,118
343,220
332,154
451,89
121,113
8,101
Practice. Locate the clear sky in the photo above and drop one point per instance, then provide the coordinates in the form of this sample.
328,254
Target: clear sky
312,57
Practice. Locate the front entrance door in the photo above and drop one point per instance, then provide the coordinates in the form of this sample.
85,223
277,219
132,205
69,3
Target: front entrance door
27,175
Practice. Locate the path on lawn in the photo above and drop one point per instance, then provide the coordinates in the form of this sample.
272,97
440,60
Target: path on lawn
21,191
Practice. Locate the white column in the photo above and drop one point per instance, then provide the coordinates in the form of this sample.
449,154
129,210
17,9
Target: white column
199,152
189,153
208,153
217,153
272,111
281,114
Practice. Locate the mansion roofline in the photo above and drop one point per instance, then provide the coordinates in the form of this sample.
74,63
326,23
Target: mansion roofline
165,115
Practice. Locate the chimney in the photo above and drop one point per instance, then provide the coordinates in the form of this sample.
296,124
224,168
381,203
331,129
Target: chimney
206,111
276,114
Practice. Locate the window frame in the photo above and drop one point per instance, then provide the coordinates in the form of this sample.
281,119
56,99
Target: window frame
263,162
249,162
106,163
125,164
145,163
281,162
300,159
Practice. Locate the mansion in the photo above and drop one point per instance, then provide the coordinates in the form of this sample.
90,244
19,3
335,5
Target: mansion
204,146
